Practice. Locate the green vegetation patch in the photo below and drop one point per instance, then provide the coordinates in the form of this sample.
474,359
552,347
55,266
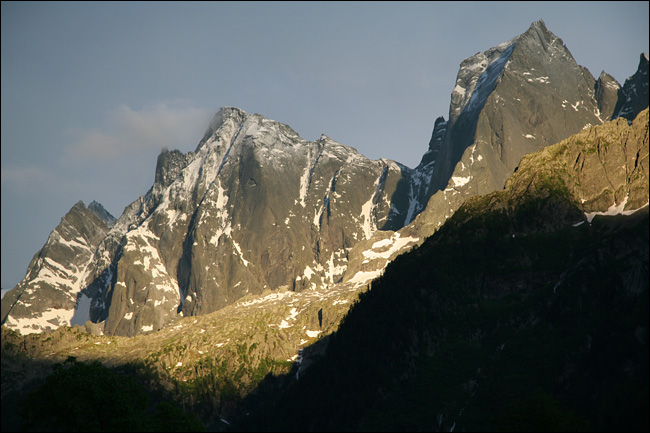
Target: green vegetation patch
91,397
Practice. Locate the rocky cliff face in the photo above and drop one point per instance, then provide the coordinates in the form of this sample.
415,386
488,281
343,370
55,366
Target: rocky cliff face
46,298
633,97
607,94
604,169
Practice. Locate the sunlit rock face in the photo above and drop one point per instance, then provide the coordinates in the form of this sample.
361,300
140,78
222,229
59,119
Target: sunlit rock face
633,96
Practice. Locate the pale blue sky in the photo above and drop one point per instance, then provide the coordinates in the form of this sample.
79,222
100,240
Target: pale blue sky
92,91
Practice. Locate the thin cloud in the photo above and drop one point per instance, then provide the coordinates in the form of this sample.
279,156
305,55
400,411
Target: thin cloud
30,179
21,175
128,131
25,180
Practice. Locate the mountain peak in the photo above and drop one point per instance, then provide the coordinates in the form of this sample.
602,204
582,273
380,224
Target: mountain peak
539,29
224,114
539,35
634,93
539,24
229,112
169,165
79,205
643,61
101,212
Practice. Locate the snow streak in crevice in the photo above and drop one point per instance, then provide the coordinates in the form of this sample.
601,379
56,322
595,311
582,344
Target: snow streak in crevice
369,223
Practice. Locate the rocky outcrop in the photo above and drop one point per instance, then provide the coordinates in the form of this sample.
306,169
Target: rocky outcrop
604,169
599,171
169,166
607,90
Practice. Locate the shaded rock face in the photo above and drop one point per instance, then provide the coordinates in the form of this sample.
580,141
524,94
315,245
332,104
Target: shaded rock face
46,298
607,91
633,97
169,166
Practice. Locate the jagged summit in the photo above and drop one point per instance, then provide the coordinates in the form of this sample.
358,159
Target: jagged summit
46,298
79,208
633,96
540,33
99,210
510,100
483,68
247,125
219,119
607,94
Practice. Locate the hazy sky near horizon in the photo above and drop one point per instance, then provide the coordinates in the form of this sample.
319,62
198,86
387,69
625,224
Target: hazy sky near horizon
92,91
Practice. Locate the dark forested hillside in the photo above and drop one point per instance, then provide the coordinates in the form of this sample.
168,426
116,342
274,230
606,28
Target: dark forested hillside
489,327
